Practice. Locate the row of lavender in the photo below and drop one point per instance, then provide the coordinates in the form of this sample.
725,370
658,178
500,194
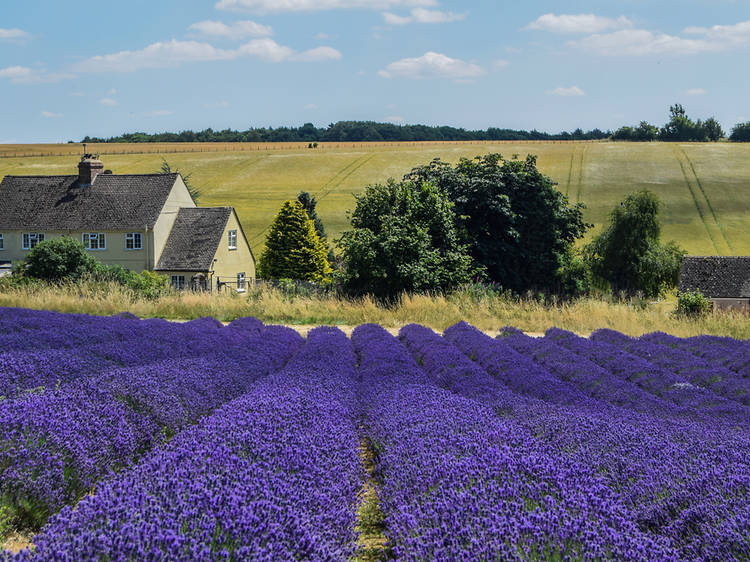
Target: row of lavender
515,448
48,349
272,475
56,442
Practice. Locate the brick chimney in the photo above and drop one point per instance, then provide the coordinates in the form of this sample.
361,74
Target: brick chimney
88,168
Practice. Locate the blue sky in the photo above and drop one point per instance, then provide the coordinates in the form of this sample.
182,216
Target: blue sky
70,69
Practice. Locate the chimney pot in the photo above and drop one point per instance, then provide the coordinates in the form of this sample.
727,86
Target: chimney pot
88,168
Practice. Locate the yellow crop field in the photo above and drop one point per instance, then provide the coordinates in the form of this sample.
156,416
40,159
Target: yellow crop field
705,187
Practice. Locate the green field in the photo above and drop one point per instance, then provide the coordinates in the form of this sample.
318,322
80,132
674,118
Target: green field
705,187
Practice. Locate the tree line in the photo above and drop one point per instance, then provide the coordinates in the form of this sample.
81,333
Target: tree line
488,222
679,128
352,131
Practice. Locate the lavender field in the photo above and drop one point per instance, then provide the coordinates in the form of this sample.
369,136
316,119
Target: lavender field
128,439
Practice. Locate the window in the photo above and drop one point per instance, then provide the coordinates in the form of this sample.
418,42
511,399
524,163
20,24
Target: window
177,282
232,239
2,242
31,239
94,241
241,281
133,241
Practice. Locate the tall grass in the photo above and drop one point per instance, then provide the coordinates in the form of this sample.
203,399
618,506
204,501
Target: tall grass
487,312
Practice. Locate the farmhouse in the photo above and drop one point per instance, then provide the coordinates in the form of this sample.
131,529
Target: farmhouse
141,222
723,280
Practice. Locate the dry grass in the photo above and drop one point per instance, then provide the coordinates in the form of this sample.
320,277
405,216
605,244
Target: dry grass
15,543
75,149
438,312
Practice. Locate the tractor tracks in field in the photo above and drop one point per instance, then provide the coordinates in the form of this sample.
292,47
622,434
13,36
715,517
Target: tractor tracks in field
575,172
342,175
339,177
706,212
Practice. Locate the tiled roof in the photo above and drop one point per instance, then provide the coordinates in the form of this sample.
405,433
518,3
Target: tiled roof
113,202
194,239
716,277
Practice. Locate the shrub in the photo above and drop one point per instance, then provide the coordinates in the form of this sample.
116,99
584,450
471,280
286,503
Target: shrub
148,284
59,259
692,303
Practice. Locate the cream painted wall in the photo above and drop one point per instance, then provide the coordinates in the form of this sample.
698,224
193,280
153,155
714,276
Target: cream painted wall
228,263
114,254
178,198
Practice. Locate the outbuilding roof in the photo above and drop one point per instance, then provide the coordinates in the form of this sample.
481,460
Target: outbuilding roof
113,202
194,239
716,276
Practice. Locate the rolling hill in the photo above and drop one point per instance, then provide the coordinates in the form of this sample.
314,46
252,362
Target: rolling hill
705,187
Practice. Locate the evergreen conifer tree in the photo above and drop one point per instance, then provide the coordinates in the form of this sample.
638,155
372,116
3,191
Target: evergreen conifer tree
294,250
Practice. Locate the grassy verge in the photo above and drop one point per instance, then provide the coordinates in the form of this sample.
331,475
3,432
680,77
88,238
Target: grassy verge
485,312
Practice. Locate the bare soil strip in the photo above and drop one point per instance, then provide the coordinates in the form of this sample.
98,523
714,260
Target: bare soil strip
372,543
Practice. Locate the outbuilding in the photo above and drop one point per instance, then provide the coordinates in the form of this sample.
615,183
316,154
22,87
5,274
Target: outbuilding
725,281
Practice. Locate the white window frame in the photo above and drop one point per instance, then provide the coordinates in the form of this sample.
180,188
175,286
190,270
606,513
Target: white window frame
100,239
241,282
177,282
132,237
232,239
30,239
2,243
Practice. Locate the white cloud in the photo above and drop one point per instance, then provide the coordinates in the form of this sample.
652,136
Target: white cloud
108,102
571,92
112,92
311,107
156,55
322,36
25,75
319,54
278,6
397,119
158,113
422,15
696,92
500,64
221,104
265,49
13,34
77,94
737,34
577,23
639,42
694,40
51,115
236,30
175,53
432,65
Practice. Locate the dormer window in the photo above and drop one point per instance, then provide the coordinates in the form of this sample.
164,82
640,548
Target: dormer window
2,242
31,239
232,239
94,241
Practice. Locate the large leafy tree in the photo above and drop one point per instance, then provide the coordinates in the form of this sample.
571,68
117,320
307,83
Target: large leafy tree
294,250
628,254
517,225
403,238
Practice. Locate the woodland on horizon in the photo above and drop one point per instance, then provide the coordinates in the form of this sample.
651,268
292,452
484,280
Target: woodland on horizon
679,128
